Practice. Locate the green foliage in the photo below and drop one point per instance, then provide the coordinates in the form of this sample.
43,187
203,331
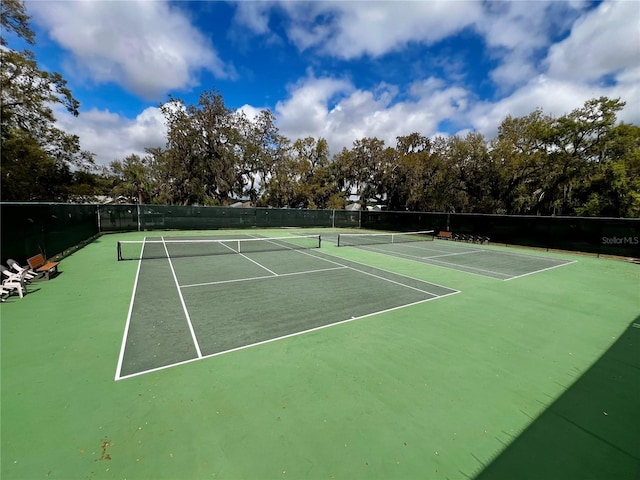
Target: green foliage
577,164
577,148
204,161
520,156
29,174
613,189
14,18
33,148
132,179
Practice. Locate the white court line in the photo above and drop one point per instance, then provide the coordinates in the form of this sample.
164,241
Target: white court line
542,270
509,277
386,271
265,277
478,271
423,248
290,335
243,256
261,266
514,254
304,252
466,247
426,259
128,323
453,254
376,276
184,305
463,268
377,268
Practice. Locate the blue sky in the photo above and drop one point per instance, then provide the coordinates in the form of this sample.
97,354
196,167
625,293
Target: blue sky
341,70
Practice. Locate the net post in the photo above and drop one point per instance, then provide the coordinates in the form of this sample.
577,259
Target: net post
119,249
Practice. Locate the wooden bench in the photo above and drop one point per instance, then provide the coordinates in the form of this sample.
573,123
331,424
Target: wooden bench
39,264
445,235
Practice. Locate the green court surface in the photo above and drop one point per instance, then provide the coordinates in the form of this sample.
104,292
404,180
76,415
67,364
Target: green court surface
407,361
191,307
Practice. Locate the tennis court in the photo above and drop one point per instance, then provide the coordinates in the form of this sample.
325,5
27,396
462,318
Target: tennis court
280,359
470,258
201,297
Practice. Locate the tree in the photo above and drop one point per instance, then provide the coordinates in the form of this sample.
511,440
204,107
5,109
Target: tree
160,176
280,186
27,91
260,148
578,145
133,179
362,168
88,186
476,173
402,178
26,115
14,18
316,186
202,148
613,189
29,174
520,157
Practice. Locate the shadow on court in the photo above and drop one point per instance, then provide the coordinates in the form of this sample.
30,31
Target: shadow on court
592,431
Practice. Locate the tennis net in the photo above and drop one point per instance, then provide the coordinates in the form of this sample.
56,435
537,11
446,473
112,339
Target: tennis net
149,249
356,239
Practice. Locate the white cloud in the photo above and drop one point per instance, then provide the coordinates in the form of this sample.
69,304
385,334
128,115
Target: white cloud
515,69
352,29
254,15
516,25
555,97
307,109
605,41
599,57
517,34
340,113
148,47
113,137
335,110
250,111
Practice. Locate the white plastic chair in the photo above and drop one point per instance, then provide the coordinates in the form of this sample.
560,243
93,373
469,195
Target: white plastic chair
8,274
15,266
15,282
4,292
